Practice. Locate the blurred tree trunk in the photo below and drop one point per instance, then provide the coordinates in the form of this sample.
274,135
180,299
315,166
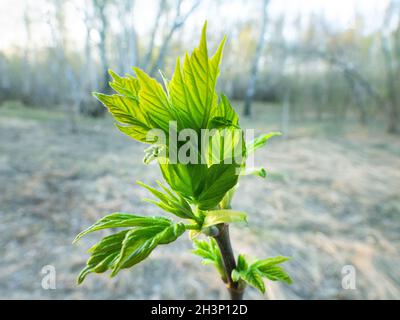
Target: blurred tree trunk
355,79
100,8
27,79
391,53
179,21
254,67
102,44
392,87
286,114
90,73
68,87
357,96
4,80
127,44
148,58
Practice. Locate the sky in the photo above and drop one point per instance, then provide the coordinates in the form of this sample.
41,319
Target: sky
338,12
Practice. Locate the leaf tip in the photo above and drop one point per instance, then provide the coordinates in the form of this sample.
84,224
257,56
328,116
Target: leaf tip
204,30
139,72
96,94
140,183
113,74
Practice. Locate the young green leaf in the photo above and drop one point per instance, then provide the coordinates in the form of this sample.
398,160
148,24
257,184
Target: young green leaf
200,75
210,253
269,269
127,112
260,172
276,273
225,145
225,113
173,203
253,273
260,141
214,217
227,199
139,243
187,180
253,278
120,220
220,179
128,247
220,123
242,263
104,255
154,101
270,262
127,86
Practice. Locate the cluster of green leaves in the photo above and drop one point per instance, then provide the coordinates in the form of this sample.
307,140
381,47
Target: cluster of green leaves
141,104
197,193
174,203
245,273
210,253
130,246
253,273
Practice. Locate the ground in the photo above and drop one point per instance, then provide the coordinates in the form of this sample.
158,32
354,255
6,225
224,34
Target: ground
331,199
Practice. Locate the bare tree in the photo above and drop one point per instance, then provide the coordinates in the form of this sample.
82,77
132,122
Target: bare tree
4,80
357,82
89,70
87,78
390,42
254,66
128,55
149,54
286,114
61,67
26,85
100,8
179,21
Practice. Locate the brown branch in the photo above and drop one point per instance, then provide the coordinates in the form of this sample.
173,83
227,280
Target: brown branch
224,244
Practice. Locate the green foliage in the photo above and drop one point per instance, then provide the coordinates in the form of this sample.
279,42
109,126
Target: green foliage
127,248
153,152
254,273
210,253
120,220
220,179
200,191
214,217
170,202
260,141
227,199
192,88
190,98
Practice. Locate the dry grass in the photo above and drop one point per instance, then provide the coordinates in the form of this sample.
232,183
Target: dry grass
330,200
